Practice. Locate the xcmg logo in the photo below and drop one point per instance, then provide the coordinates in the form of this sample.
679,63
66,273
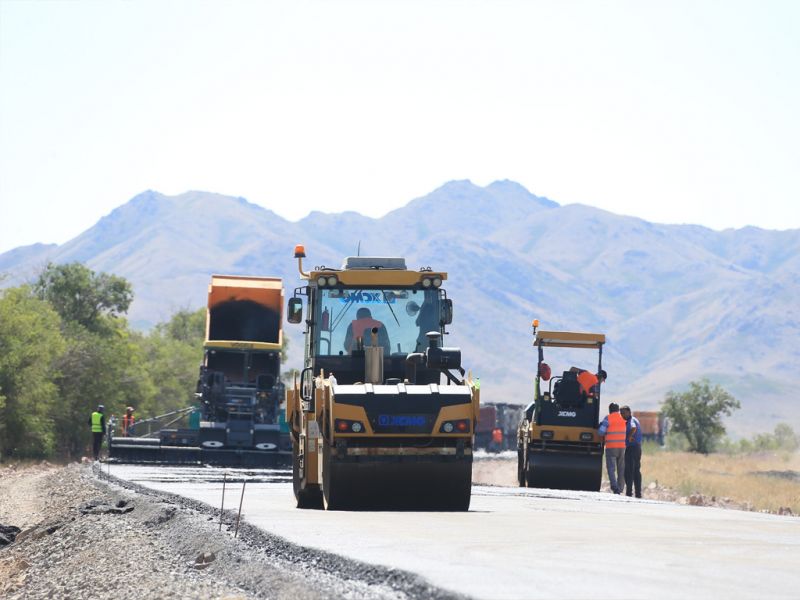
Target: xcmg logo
365,297
401,420
567,413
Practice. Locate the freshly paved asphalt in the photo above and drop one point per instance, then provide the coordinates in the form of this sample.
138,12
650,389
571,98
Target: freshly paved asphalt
524,543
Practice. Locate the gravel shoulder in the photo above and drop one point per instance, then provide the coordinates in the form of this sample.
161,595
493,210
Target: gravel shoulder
85,535
73,545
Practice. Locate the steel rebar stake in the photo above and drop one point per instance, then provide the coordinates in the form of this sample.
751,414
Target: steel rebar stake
222,506
236,531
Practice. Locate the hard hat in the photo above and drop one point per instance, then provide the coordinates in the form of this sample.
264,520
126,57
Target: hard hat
100,407
130,408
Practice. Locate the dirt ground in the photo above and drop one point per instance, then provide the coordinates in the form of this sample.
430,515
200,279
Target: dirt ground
495,471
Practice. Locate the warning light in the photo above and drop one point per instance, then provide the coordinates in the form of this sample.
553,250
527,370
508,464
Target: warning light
299,251
536,322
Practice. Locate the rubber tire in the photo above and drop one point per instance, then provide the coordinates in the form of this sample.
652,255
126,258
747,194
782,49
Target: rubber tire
306,498
529,474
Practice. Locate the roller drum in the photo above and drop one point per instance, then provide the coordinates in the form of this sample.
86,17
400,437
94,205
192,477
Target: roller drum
396,483
564,470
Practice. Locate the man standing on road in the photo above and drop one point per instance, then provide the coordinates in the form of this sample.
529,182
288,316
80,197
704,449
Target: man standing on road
98,423
613,428
633,453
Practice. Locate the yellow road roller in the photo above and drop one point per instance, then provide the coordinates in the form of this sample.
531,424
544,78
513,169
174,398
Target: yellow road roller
557,442
382,415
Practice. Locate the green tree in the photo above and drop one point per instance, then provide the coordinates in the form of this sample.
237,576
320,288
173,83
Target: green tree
83,297
30,346
172,367
697,413
106,368
103,363
185,326
786,438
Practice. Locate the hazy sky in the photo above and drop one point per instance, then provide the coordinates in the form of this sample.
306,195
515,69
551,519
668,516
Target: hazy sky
671,111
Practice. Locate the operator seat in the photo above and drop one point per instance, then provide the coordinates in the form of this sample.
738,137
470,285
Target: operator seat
569,391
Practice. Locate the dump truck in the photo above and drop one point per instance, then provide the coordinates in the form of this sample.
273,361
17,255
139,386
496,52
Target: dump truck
382,416
557,441
239,389
497,426
487,423
653,425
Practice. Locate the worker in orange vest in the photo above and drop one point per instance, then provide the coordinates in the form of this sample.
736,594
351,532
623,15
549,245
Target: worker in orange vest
588,381
613,428
497,439
128,421
362,328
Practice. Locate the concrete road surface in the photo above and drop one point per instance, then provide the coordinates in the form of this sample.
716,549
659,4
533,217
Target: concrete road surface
521,543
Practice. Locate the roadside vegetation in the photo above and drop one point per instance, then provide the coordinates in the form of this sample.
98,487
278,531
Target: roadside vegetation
766,480
701,463
65,347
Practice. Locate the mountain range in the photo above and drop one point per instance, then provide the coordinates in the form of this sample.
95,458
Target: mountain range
677,302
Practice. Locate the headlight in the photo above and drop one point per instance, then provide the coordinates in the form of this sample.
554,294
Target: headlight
460,426
426,283
322,280
333,280
348,426
437,282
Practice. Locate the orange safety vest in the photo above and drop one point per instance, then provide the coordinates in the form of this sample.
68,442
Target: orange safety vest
497,435
615,434
587,380
127,423
359,326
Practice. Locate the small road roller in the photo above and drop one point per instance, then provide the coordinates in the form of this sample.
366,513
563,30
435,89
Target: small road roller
557,441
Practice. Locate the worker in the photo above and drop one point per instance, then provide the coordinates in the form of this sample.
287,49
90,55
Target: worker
497,439
633,453
98,424
588,381
128,422
613,430
362,328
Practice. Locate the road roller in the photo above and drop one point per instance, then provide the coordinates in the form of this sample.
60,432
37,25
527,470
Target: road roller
382,415
557,441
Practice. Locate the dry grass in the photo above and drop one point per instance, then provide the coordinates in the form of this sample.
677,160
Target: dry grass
765,481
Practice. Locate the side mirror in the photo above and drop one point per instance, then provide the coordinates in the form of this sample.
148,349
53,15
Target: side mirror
295,312
447,311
